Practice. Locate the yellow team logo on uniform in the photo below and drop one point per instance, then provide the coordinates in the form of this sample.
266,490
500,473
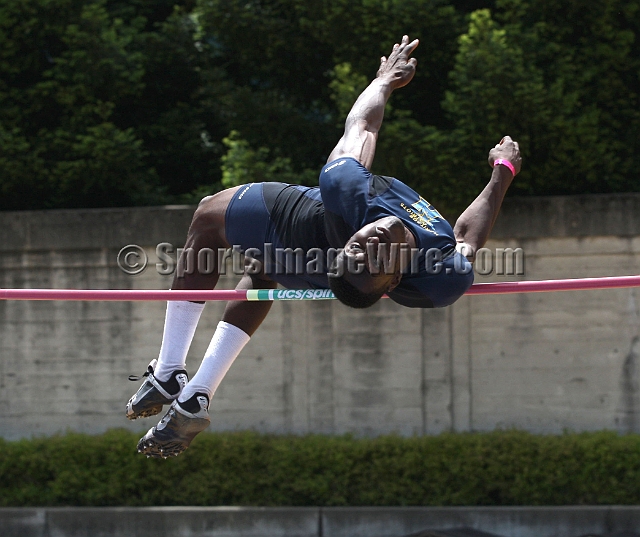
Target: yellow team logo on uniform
423,214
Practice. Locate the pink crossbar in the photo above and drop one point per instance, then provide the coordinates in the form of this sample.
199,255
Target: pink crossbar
580,284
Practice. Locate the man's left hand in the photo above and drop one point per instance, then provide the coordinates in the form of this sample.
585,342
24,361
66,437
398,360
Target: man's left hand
506,149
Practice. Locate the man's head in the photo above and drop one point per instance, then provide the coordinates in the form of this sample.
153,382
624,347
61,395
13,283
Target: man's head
369,265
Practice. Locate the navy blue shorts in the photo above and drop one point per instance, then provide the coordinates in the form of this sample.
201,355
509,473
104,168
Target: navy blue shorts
247,219
268,217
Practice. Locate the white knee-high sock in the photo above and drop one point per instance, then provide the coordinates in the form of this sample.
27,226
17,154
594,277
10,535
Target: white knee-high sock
179,327
227,342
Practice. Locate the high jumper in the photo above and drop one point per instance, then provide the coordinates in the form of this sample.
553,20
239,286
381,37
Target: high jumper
387,240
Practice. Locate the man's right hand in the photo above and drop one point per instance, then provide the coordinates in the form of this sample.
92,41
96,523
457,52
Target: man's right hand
398,69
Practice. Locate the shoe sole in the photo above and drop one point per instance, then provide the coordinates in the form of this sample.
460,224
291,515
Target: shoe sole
157,447
149,402
154,449
145,413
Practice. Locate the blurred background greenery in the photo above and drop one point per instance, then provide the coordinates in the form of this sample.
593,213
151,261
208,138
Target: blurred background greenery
129,102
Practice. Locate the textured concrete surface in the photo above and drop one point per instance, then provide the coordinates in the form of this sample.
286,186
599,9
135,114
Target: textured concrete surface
322,522
542,362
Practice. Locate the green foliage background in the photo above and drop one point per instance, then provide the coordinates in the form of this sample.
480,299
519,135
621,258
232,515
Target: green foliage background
129,102
497,468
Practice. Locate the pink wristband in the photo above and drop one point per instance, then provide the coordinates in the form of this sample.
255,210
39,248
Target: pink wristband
506,163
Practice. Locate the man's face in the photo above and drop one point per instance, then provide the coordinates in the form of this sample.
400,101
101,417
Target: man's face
371,255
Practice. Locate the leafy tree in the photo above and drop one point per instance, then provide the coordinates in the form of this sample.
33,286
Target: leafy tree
120,102
242,164
589,54
297,66
62,145
104,103
560,78
494,92
181,111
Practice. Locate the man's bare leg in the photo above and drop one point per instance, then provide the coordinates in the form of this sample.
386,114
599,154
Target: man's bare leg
474,225
239,322
206,231
167,377
189,411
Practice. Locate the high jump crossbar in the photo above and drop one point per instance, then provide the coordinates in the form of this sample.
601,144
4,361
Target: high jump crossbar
494,288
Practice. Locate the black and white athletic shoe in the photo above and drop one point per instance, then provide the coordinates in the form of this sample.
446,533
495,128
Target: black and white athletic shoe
177,428
154,394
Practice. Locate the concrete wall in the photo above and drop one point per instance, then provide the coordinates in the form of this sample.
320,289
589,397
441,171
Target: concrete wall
541,362
595,521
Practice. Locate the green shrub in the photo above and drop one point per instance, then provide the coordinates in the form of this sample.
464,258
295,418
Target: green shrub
497,468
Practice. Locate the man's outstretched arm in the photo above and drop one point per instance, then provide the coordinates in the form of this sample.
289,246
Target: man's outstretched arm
475,223
365,118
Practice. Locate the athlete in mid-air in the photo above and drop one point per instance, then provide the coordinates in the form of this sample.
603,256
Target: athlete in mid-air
387,239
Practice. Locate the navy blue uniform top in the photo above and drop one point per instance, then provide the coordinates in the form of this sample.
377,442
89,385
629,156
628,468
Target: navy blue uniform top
354,197
270,217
